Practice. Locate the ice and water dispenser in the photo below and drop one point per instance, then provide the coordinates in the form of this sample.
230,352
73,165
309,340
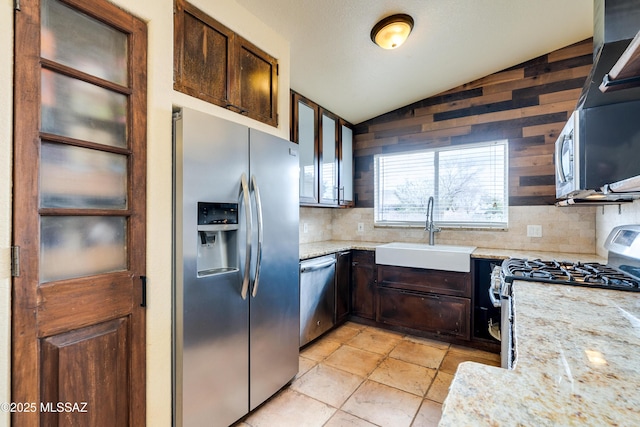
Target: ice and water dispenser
217,238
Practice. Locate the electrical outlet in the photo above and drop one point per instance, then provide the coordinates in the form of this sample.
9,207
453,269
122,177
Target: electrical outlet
361,226
534,231
305,227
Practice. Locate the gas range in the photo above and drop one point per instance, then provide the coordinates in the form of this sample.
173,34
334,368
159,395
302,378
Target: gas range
621,273
593,275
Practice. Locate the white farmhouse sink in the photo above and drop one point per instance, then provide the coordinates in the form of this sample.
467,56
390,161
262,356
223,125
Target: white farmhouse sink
418,255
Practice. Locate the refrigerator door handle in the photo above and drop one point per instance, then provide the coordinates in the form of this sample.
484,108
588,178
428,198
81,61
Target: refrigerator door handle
244,193
256,191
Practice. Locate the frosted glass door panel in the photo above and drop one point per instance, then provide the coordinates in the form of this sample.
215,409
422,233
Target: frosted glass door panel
80,110
328,185
81,246
306,142
346,174
78,41
74,177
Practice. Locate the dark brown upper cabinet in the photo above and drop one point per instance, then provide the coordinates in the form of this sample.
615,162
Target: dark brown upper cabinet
216,65
326,154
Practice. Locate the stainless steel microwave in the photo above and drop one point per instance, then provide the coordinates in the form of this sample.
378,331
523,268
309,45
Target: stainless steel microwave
597,146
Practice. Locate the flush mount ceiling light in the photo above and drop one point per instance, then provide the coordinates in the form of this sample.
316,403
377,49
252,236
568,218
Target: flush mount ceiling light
392,31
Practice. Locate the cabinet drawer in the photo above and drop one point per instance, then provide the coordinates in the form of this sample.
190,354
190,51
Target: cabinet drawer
425,312
422,280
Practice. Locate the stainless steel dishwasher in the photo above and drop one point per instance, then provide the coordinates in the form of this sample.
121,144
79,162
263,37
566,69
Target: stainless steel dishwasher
317,297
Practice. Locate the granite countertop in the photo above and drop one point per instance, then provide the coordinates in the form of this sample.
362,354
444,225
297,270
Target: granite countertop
311,250
545,255
577,363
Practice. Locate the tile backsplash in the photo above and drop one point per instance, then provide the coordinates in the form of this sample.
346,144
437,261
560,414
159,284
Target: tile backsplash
563,229
316,225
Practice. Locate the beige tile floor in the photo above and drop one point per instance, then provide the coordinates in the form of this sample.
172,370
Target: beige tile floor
363,376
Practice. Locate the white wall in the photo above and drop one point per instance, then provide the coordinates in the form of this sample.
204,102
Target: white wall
6,110
161,99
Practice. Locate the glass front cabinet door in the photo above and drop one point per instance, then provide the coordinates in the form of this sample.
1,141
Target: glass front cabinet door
328,158
345,187
326,154
305,133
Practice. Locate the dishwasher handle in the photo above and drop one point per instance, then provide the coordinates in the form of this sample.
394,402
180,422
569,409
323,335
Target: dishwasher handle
318,266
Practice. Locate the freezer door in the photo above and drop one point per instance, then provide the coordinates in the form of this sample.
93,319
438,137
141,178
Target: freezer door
211,318
275,308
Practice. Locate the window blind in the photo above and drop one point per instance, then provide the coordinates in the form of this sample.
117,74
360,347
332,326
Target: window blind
468,183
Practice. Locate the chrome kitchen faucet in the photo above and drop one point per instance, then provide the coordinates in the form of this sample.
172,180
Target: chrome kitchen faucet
429,225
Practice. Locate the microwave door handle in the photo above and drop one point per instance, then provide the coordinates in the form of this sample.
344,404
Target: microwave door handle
559,166
244,193
256,192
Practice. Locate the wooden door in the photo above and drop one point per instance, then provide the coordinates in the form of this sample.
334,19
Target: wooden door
78,316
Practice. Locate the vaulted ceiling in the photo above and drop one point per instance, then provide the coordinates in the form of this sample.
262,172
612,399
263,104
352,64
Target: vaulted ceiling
334,62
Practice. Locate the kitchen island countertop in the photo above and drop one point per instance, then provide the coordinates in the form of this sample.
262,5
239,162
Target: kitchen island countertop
577,363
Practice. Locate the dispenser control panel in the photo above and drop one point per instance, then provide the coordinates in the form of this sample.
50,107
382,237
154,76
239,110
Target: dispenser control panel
217,213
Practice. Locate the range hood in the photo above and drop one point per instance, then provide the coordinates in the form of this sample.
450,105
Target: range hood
615,24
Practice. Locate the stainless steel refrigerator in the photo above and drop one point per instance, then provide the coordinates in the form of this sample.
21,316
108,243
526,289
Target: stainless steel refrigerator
236,291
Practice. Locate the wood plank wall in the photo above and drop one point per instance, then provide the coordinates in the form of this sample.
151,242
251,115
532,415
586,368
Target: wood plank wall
527,104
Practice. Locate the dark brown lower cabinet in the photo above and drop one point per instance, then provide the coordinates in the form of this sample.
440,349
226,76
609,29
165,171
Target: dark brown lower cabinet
442,282
441,314
425,300
343,282
363,284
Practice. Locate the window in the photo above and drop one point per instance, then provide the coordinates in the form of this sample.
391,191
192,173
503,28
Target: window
468,183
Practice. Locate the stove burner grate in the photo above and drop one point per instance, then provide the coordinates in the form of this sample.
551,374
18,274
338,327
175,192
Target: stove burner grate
562,272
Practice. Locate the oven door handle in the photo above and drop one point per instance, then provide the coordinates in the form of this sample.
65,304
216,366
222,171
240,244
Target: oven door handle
494,300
